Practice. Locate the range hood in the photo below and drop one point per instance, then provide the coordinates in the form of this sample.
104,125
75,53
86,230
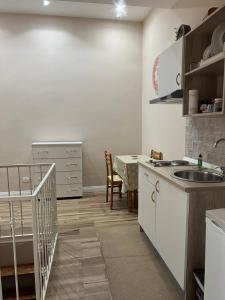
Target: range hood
167,75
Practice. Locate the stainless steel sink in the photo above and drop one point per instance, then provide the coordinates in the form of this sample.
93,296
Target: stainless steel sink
203,175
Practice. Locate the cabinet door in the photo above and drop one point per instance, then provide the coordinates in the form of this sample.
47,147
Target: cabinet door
171,227
147,202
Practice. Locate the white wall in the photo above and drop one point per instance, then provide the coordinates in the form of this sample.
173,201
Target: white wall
163,126
70,79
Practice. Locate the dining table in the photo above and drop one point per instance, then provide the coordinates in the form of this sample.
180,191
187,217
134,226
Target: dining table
126,166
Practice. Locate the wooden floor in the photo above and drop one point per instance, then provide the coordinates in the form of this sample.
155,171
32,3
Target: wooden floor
79,270
101,254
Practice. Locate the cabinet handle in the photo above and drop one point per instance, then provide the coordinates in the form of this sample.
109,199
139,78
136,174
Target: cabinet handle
72,177
157,186
178,79
152,196
71,164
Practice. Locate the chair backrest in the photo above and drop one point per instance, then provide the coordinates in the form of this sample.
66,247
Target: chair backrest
108,161
156,155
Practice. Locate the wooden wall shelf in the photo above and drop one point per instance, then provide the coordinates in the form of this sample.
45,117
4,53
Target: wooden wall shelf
204,115
208,78
213,65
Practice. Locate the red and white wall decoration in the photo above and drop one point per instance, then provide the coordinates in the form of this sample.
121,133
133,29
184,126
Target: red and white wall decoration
155,75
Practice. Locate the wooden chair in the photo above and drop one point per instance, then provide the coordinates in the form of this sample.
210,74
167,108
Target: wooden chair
156,155
113,180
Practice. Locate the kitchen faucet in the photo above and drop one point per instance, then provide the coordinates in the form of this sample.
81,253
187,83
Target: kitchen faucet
218,141
215,146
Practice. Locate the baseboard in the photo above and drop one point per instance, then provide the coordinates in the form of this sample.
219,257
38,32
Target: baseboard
94,189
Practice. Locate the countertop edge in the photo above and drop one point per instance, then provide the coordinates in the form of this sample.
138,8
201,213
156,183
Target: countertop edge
178,183
162,175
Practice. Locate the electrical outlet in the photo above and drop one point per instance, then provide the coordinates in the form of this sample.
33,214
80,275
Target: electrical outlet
26,179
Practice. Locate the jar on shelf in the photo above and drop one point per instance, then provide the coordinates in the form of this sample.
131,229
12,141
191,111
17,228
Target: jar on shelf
218,104
193,101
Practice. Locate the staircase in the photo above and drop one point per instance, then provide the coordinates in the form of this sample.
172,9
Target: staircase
26,282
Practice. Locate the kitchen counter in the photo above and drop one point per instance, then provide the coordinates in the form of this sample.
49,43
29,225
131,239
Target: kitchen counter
186,186
172,214
218,216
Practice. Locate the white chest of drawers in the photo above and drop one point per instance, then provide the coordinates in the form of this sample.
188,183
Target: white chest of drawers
68,159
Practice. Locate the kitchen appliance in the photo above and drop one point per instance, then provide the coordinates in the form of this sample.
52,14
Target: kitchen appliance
215,255
167,75
168,163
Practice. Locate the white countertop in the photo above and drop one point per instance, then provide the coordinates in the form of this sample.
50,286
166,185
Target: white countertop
217,216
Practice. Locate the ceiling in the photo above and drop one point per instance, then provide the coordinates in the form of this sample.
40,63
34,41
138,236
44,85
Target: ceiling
137,9
103,9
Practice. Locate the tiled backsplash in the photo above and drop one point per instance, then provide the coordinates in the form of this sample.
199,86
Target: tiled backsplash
201,134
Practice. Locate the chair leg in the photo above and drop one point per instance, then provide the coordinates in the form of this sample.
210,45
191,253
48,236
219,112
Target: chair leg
111,202
107,192
120,191
129,198
132,201
136,199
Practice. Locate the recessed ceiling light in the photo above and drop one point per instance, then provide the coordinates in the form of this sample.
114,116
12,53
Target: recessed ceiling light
46,2
120,8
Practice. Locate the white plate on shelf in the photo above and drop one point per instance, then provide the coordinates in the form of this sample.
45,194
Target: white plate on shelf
218,39
207,53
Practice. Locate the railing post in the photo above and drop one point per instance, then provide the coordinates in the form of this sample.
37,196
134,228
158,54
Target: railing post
12,221
54,202
36,250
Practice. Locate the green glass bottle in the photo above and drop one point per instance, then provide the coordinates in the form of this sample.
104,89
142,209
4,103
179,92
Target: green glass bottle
200,161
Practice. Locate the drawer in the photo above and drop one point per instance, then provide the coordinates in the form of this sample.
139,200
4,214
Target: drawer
148,175
68,177
69,164
69,190
63,177
56,151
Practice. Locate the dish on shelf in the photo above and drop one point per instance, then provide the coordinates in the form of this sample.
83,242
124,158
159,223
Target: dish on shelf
212,59
218,39
207,53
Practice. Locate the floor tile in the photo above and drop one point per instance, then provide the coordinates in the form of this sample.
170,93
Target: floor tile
140,278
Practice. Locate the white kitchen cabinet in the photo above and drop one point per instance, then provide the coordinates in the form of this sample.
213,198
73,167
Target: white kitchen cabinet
163,216
68,159
171,227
